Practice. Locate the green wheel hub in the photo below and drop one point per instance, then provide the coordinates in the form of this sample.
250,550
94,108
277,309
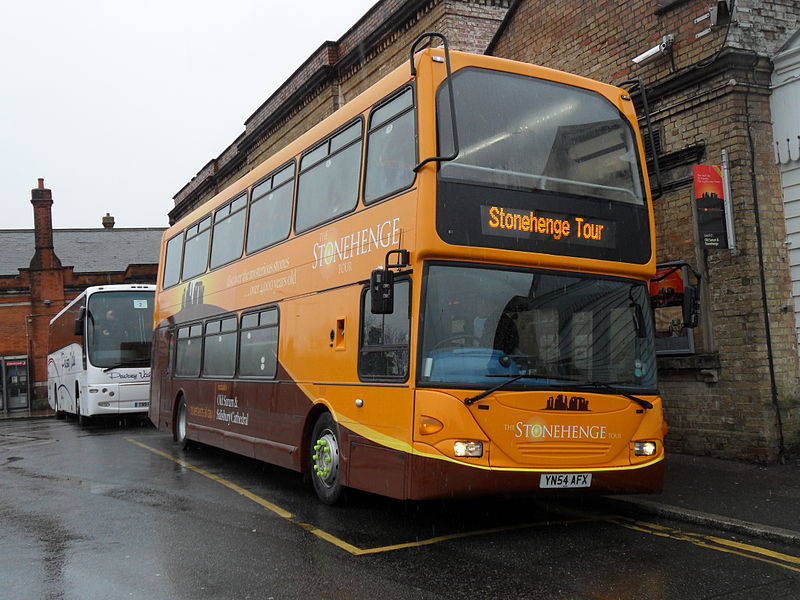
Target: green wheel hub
325,460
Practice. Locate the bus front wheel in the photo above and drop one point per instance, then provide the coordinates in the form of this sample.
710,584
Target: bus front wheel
324,459
83,420
179,434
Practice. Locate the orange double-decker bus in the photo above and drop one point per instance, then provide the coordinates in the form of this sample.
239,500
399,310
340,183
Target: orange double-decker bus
440,290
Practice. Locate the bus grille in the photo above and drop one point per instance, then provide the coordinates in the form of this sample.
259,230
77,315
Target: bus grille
562,450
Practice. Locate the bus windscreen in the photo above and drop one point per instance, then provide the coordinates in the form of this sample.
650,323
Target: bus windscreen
481,324
119,328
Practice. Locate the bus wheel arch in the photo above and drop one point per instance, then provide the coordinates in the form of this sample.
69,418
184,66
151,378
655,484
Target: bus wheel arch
60,414
323,458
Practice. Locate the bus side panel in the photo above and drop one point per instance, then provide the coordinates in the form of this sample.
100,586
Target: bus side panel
65,360
63,378
161,400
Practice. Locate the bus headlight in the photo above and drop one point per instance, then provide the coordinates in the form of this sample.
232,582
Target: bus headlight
470,449
644,448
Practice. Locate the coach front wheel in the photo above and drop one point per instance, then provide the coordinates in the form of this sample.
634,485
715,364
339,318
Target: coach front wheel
324,459
83,420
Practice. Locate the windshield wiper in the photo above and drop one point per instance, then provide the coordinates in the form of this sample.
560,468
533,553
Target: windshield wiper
500,386
136,362
610,388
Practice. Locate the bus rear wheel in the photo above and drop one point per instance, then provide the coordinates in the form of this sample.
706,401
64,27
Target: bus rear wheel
179,434
60,414
324,460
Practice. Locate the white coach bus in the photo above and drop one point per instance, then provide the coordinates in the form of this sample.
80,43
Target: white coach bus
99,352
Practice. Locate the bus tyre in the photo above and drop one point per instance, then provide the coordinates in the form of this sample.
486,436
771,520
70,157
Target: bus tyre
83,420
179,434
324,460
60,414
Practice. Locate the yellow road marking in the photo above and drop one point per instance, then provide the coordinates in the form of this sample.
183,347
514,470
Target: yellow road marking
328,537
703,541
228,484
712,542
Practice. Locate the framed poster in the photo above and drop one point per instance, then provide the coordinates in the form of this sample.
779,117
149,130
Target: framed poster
709,198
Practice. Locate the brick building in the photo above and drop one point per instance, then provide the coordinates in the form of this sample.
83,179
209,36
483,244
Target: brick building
41,270
731,392
736,394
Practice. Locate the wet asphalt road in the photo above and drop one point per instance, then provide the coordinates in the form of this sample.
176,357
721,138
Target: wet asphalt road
115,511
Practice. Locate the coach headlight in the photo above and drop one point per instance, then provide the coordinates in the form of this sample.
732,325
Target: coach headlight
646,448
469,449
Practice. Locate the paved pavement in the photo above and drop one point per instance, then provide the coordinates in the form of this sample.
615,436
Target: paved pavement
749,499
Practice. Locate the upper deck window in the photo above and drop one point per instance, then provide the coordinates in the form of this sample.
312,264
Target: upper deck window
271,210
195,252
228,232
172,262
329,178
391,153
520,132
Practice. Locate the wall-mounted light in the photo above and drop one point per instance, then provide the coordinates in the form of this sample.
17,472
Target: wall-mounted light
662,49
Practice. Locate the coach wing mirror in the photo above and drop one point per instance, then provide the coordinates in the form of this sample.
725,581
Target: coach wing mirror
381,283
79,321
381,289
691,306
691,293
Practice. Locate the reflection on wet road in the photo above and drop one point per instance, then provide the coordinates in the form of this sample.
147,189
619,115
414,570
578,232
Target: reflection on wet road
110,511
705,541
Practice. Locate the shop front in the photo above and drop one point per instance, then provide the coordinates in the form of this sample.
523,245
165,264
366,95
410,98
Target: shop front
15,389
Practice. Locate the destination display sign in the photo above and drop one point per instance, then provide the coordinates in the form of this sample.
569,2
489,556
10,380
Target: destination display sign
514,222
542,221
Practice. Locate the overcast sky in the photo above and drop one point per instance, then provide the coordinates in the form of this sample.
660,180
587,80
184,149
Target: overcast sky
118,104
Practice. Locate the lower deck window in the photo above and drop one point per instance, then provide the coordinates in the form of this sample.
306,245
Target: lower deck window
188,351
258,344
385,338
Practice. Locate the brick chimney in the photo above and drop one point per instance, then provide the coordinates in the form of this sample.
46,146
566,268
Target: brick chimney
44,257
108,221
47,292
